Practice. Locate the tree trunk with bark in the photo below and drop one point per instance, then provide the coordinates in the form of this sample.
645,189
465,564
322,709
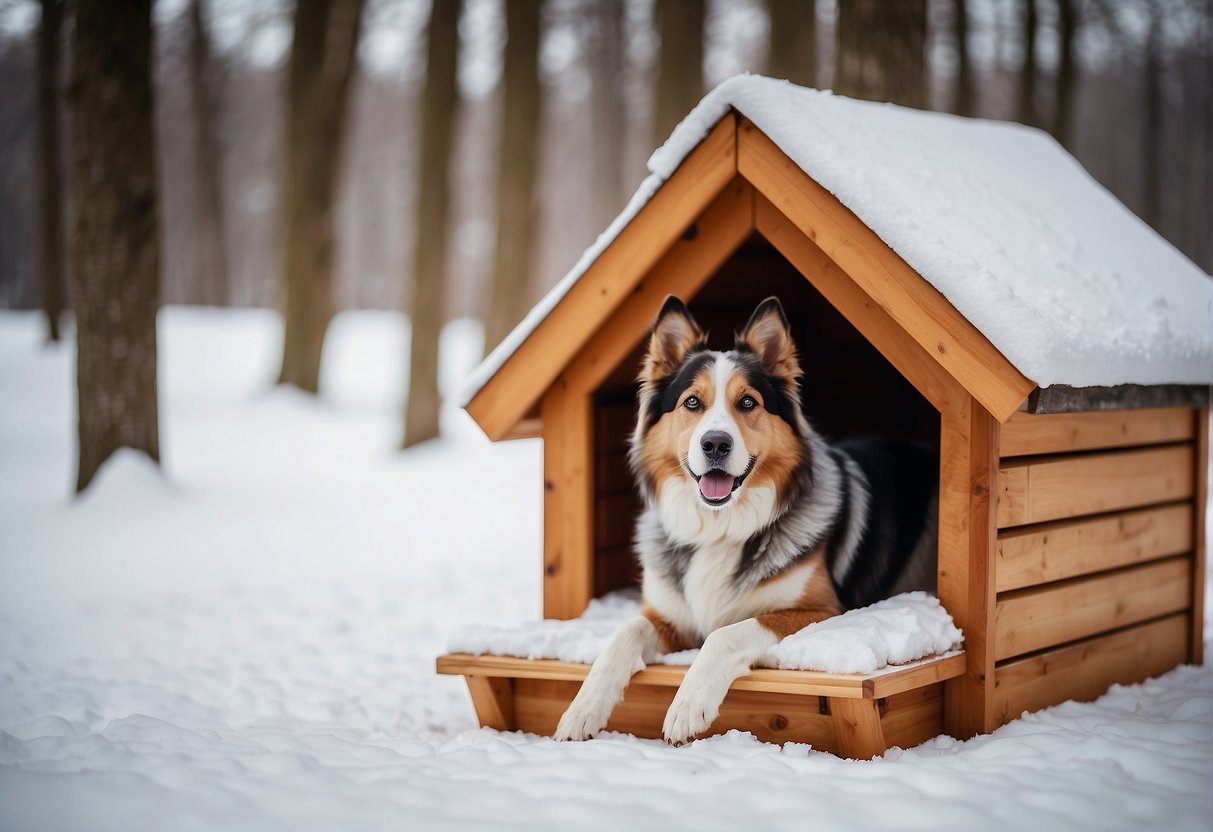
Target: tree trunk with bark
1151,140
517,163
1026,104
680,66
964,101
1067,28
50,159
793,43
425,307
115,244
880,51
323,53
210,249
606,61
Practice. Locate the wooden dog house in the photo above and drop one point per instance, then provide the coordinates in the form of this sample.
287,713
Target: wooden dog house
1071,519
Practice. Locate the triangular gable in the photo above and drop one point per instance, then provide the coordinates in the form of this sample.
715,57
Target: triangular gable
1052,270
533,363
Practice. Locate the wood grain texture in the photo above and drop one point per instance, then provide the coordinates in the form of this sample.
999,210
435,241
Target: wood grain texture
883,683
1032,619
1084,671
1061,398
1068,548
1039,489
905,720
607,283
688,264
875,324
967,506
1200,533
567,502
911,301
493,699
857,728
1026,433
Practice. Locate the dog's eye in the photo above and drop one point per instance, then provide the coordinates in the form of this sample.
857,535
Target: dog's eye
692,403
747,403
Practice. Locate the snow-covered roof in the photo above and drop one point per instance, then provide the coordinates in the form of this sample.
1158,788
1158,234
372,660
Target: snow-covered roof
1063,279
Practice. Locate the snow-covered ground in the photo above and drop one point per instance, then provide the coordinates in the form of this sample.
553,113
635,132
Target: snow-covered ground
245,640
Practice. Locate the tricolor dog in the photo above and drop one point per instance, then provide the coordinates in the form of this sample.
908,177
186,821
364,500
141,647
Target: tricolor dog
754,525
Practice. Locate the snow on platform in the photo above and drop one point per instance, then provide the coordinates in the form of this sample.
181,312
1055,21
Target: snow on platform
895,631
245,641
1069,284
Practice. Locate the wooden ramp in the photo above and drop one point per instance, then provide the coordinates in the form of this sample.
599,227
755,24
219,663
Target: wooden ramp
857,716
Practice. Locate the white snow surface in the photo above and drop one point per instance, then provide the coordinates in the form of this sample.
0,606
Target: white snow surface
896,631
1069,284
244,639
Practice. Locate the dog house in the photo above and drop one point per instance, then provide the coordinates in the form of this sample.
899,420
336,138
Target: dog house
1070,414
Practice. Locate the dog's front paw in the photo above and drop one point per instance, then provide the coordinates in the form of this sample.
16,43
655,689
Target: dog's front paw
583,720
687,718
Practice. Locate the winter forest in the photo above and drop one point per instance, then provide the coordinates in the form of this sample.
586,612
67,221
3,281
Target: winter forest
458,159
252,253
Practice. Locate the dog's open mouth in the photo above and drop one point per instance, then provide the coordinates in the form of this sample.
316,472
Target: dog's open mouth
716,487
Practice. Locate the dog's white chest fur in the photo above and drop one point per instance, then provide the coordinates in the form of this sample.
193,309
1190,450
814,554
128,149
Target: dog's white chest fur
710,597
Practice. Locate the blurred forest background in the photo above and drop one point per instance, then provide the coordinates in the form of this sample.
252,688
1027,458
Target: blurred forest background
454,159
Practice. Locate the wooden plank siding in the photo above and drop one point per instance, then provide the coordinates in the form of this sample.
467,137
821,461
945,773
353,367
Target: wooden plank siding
1025,433
1031,555
1046,616
1039,489
1083,671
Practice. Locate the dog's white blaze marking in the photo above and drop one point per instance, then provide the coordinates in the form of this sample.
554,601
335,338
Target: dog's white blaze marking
853,534
633,645
719,417
727,653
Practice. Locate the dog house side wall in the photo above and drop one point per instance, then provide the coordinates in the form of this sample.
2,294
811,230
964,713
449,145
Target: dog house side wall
1099,571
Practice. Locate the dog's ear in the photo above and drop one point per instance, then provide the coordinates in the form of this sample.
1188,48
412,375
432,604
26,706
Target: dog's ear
675,333
768,336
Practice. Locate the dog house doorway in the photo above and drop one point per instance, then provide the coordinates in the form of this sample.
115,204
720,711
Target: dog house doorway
849,389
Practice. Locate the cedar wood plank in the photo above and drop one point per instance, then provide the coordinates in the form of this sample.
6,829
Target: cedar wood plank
531,369
909,299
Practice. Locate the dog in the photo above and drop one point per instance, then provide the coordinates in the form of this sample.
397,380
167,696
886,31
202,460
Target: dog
754,525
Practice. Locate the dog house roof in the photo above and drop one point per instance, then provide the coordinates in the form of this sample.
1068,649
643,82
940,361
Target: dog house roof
1061,278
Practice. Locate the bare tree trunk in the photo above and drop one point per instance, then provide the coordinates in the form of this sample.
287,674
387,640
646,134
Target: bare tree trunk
50,179
964,102
210,249
880,51
606,59
517,161
1208,139
680,68
115,245
1067,27
1026,104
793,44
425,307
322,61
1151,139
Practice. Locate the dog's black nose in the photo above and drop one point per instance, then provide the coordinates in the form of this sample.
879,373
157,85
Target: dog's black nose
716,445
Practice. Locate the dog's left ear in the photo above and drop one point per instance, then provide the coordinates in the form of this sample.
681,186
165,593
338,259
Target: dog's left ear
768,336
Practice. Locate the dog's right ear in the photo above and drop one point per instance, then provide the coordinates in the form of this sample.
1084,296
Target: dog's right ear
675,333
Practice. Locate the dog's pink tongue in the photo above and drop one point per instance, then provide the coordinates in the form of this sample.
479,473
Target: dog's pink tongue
715,485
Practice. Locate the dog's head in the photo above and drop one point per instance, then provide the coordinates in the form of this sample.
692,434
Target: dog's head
712,426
